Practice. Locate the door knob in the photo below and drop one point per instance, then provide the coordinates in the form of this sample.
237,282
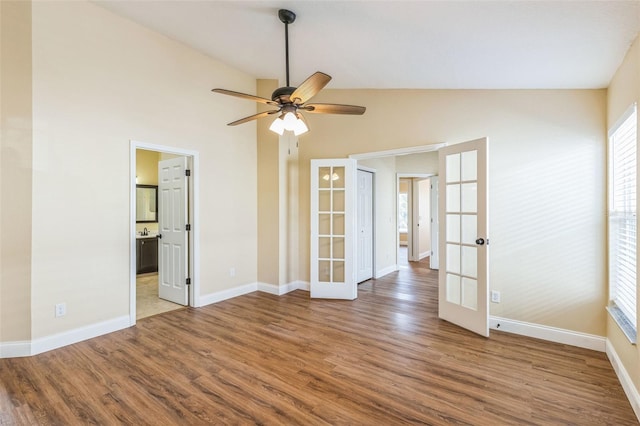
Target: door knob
480,241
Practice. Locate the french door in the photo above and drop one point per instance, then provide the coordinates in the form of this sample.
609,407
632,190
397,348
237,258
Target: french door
333,229
463,278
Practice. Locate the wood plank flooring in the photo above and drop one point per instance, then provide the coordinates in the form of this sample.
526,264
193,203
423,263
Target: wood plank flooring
383,359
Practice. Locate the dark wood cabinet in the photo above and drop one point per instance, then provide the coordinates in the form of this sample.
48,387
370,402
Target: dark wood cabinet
146,255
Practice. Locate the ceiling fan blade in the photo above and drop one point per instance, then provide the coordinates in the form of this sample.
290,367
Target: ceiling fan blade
334,109
310,87
253,117
245,96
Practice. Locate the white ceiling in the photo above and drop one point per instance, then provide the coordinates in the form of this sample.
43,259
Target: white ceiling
471,44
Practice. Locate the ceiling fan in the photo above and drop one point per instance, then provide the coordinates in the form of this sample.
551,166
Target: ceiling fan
290,101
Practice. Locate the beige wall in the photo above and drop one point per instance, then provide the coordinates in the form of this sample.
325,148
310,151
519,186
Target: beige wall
422,163
147,167
268,186
16,150
98,82
547,184
623,92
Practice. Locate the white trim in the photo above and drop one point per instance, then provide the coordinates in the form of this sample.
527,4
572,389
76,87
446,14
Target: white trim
15,349
193,157
627,113
384,271
70,337
55,341
303,285
551,334
366,169
219,296
270,288
625,380
420,176
398,151
278,290
425,254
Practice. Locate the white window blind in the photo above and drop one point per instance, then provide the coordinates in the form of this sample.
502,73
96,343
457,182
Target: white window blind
622,221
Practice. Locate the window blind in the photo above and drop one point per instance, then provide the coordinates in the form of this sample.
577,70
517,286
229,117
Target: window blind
622,217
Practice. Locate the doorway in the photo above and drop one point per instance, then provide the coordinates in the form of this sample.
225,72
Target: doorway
414,234
148,247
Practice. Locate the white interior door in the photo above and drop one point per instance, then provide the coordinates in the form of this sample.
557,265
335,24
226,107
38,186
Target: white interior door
463,282
365,225
333,229
414,248
434,260
172,246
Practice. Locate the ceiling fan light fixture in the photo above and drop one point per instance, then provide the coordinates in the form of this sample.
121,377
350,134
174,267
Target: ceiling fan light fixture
300,127
277,126
289,121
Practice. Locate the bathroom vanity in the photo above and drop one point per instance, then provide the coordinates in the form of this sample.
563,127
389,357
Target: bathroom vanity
146,254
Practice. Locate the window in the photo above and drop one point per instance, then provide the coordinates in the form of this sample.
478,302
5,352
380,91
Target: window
622,222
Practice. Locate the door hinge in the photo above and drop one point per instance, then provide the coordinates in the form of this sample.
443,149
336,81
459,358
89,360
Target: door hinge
188,281
187,227
187,172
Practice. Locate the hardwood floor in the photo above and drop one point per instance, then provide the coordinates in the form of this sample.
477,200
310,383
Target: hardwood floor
262,359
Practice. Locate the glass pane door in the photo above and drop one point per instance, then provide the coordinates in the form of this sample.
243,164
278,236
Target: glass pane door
463,284
332,228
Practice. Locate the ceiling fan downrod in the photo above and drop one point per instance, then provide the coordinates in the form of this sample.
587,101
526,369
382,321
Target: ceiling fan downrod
287,17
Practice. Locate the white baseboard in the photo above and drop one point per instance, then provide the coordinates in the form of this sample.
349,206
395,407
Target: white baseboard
552,334
283,289
229,293
15,349
70,337
425,254
269,288
389,269
625,380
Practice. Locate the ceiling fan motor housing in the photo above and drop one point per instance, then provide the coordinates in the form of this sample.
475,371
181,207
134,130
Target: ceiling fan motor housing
282,95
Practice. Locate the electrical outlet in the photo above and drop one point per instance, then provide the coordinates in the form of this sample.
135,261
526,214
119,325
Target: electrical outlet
232,272
495,296
61,309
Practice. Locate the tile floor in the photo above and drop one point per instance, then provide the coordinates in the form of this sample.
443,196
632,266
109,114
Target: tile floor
147,301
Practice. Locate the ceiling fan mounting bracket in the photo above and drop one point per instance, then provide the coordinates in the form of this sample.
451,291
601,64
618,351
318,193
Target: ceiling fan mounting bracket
286,16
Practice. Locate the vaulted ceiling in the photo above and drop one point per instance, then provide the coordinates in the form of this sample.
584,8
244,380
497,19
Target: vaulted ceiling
472,44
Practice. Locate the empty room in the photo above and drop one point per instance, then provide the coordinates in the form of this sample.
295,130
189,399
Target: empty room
351,212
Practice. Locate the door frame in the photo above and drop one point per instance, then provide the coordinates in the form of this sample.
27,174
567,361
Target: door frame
412,222
391,153
194,240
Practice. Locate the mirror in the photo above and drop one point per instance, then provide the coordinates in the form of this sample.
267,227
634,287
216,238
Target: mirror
146,203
